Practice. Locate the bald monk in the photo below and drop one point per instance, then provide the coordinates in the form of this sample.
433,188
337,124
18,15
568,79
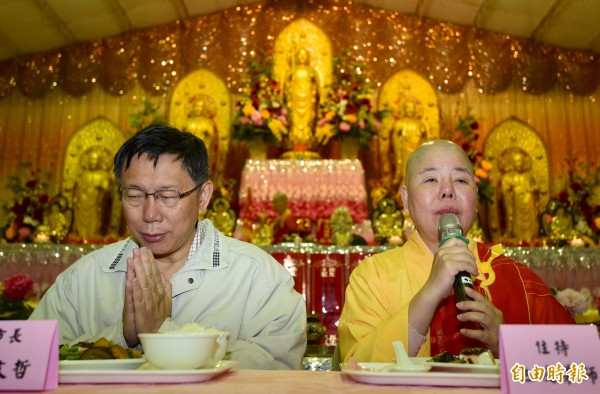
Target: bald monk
406,293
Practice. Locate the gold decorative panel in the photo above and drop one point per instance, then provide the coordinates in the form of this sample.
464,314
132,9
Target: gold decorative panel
206,88
507,138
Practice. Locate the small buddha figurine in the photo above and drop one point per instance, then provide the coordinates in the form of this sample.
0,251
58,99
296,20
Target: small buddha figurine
341,226
57,220
301,89
388,221
222,216
263,231
284,223
561,225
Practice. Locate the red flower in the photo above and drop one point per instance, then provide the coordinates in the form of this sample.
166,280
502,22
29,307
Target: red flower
466,146
351,108
576,186
586,209
365,102
43,199
563,196
18,209
474,126
16,287
32,184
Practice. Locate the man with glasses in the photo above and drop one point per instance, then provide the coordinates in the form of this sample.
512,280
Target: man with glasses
176,269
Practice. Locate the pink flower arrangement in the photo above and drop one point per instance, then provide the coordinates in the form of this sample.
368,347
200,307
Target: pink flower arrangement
347,110
260,113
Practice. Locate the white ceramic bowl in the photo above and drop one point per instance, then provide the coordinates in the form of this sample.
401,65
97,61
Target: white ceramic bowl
181,350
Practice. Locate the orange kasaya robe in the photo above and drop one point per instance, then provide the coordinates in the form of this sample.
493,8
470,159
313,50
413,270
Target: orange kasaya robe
517,291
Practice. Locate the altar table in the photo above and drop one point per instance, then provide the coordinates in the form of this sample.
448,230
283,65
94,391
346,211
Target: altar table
314,188
261,382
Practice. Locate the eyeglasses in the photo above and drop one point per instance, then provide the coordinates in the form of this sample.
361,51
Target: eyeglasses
164,198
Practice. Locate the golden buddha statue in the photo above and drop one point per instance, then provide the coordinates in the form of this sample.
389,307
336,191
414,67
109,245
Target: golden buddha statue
405,134
341,226
561,229
57,219
91,194
388,222
263,231
284,223
201,123
222,216
519,196
301,90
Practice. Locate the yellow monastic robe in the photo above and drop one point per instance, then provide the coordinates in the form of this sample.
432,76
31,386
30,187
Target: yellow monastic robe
377,299
376,308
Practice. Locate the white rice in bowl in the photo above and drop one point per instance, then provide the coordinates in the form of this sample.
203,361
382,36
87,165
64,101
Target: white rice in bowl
195,328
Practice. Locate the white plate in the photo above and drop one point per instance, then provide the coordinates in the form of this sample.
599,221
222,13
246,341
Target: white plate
79,365
146,375
430,378
458,367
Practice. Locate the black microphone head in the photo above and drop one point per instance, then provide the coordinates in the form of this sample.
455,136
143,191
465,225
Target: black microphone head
449,224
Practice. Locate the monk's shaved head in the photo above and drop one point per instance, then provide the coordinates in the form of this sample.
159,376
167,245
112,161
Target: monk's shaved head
435,147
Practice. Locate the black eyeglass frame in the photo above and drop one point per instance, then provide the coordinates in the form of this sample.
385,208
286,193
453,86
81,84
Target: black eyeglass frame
155,194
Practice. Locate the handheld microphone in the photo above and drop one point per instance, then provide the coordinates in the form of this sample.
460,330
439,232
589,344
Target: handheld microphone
449,227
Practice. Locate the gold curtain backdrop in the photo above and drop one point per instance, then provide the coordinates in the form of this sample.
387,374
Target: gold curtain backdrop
45,98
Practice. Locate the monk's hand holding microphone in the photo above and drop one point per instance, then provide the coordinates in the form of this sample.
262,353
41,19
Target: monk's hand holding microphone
474,307
449,227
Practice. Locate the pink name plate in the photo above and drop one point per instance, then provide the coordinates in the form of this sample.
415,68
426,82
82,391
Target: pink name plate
28,355
549,358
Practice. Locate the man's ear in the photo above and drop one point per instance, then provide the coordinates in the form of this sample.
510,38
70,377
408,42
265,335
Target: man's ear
404,194
205,193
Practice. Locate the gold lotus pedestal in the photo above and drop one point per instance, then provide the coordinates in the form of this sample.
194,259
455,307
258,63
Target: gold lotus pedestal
300,155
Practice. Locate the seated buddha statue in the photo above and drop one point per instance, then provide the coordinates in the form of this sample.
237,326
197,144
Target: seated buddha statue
341,226
262,231
301,95
222,216
200,122
561,227
284,223
388,222
57,219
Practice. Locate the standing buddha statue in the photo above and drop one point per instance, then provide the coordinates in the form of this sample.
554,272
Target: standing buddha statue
519,196
91,195
405,133
301,90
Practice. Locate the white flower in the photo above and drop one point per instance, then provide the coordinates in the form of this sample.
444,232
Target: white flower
574,301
